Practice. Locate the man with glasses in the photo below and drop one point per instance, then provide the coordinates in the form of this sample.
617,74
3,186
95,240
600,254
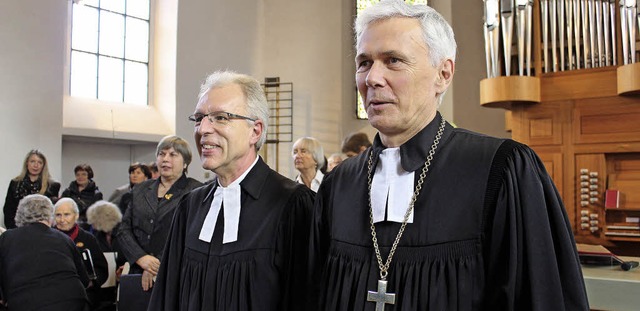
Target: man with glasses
239,243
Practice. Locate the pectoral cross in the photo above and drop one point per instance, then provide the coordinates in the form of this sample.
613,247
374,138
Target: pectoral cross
381,297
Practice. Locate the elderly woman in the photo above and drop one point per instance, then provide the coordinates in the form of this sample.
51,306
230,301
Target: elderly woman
83,191
66,218
308,158
34,178
146,222
104,217
40,267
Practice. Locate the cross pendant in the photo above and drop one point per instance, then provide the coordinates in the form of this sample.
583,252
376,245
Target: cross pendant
381,297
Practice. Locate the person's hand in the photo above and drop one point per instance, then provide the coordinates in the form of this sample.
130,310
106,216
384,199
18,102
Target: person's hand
147,280
119,272
149,264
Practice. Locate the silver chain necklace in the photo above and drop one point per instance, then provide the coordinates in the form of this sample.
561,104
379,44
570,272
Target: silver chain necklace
381,297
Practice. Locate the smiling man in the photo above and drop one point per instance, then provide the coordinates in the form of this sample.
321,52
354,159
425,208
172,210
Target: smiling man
239,243
433,217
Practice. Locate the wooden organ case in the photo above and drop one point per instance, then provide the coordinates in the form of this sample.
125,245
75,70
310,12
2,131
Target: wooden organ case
584,123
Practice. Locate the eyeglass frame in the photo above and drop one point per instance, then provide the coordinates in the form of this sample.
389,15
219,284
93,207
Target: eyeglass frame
230,116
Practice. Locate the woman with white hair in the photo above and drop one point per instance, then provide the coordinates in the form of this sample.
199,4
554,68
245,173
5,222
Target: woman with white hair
40,268
66,220
308,158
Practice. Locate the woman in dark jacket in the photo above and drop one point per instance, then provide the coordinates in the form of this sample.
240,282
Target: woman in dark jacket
146,222
34,178
66,217
83,191
40,268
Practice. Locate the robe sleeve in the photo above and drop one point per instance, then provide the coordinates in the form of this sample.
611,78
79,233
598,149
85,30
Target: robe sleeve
166,290
530,255
318,243
292,247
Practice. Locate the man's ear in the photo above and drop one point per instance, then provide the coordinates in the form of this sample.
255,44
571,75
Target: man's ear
445,75
258,128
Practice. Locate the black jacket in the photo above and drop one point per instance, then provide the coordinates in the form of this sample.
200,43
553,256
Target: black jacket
84,198
40,266
13,198
147,221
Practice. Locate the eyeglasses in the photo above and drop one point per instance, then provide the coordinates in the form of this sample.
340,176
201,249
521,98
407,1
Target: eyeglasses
218,117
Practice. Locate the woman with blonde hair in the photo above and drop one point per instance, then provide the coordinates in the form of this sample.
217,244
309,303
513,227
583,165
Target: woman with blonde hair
104,217
33,179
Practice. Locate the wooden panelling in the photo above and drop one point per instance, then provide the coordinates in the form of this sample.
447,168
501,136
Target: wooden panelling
502,92
579,84
629,79
540,124
606,120
624,176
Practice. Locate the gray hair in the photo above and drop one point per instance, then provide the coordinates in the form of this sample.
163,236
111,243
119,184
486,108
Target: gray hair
436,31
257,106
34,208
178,144
104,216
313,145
74,205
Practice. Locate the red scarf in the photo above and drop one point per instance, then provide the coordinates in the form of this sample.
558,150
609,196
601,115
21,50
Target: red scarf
73,233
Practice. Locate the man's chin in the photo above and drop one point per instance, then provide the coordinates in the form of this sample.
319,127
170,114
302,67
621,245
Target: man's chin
209,164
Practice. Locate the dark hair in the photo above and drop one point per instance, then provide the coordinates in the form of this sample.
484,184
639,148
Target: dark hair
178,144
354,141
143,167
153,167
84,167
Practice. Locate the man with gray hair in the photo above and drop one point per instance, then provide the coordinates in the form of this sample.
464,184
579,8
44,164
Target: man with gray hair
433,217
240,242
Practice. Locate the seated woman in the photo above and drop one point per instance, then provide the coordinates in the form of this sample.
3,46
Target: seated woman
66,217
146,222
83,191
137,173
34,178
308,158
104,217
40,267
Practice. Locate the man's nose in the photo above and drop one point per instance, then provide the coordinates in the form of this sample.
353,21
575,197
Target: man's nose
375,76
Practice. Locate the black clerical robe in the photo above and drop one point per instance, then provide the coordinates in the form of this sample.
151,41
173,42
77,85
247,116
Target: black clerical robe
263,270
489,232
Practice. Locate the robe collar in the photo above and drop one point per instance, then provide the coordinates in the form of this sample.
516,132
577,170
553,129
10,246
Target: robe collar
252,184
315,182
414,152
